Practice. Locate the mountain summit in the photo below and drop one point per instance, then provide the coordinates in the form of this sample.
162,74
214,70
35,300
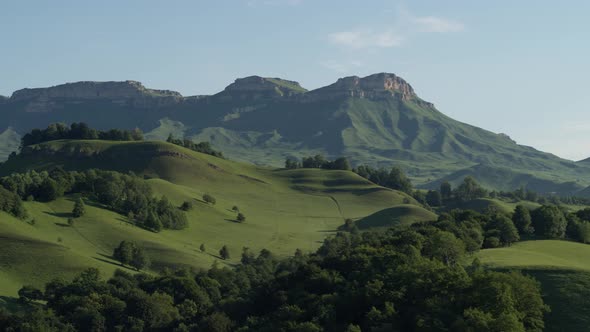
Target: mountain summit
377,120
376,85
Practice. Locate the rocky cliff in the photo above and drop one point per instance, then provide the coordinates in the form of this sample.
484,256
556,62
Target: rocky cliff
373,86
131,93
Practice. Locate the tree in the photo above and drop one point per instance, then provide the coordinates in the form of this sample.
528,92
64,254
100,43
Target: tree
433,198
48,191
224,253
235,208
71,222
446,191
79,208
522,219
549,221
124,252
186,206
140,260
341,163
469,190
241,217
507,231
291,163
202,247
153,222
209,199
398,180
444,246
29,293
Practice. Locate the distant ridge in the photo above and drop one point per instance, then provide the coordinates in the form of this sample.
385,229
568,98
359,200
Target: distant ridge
377,120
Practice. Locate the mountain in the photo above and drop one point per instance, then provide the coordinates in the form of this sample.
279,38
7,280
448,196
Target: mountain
377,120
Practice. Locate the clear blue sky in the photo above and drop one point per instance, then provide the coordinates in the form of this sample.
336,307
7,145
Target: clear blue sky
518,67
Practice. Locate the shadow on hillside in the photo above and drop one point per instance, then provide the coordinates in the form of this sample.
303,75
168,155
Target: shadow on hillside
110,261
233,220
59,214
328,231
61,224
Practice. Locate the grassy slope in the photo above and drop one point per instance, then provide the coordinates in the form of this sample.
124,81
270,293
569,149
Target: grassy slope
398,215
285,210
564,272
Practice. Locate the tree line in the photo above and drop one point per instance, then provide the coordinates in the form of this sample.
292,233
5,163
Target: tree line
202,147
318,161
403,279
57,131
127,194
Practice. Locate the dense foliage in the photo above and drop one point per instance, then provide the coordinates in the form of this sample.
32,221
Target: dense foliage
394,178
12,204
124,193
129,253
80,130
203,147
399,280
318,161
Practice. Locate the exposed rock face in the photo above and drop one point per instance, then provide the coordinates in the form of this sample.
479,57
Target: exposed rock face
373,86
256,87
128,92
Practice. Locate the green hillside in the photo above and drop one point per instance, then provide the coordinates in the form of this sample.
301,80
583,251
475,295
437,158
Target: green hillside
563,271
405,214
377,120
285,209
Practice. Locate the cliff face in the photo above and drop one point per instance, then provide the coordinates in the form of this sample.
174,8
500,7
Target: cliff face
130,93
373,86
93,90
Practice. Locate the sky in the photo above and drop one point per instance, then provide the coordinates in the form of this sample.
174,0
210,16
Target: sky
515,67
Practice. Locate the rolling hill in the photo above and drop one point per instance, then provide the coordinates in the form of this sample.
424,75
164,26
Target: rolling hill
563,271
377,120
285,209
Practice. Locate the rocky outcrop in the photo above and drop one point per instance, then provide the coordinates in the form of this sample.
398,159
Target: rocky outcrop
130,93
93,90
373,86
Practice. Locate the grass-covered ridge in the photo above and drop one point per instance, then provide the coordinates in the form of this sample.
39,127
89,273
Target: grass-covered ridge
285,209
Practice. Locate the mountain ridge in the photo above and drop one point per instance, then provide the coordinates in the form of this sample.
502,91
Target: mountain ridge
376,119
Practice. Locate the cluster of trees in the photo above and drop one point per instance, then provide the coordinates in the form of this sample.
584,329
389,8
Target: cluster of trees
12,204
398,280
80,130
318,161
468,190
123,193
203,147
129,253
394,178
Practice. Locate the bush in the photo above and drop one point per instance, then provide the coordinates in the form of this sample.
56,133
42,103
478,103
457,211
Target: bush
241,217
209,199
79,208
491,242
186,206
224,253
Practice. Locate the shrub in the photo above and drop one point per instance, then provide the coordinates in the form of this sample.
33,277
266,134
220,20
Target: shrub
209,199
